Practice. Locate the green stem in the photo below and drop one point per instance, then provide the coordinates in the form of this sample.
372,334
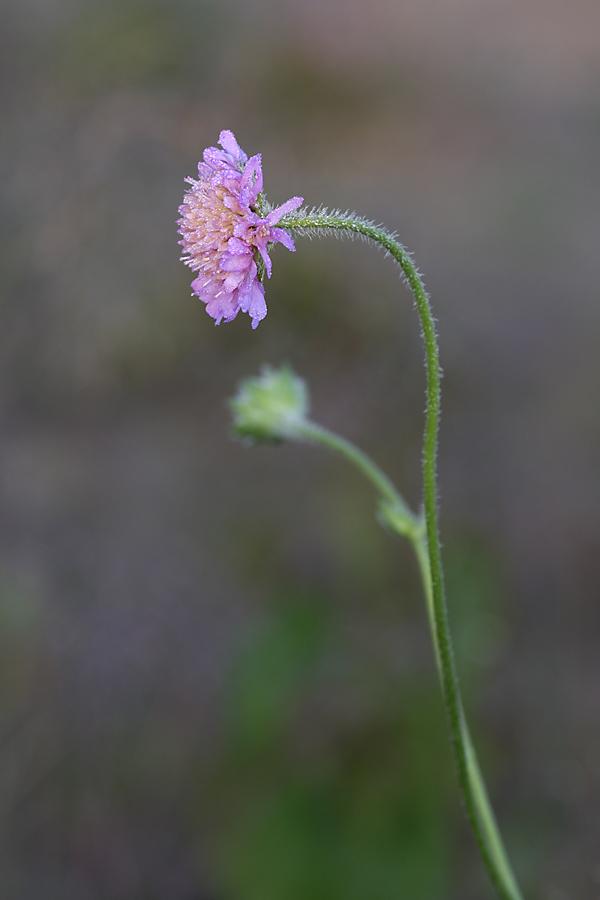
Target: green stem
475,798
479,810
316,434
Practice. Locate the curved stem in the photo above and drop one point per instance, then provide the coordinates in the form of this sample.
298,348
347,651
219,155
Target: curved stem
306,430
475,798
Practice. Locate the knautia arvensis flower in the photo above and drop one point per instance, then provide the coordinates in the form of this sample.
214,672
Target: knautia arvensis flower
224,236
227,228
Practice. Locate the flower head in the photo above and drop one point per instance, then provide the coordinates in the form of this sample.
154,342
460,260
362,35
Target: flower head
223,234
270,407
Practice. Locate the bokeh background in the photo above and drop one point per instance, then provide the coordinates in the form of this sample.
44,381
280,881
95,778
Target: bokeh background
215,674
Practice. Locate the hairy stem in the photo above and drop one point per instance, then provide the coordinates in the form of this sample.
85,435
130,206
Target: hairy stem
428,552
316,434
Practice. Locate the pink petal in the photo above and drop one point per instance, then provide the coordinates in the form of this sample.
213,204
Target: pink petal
230,145
258,307
203,287
233,281
235,262
261,244
240,229
215,159
235,245
223,306
276,214
252,181
245,289
281,235
252,300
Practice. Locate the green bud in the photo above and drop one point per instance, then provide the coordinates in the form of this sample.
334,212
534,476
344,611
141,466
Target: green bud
271,407
398,518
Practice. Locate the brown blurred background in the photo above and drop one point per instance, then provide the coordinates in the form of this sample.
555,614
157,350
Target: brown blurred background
215,674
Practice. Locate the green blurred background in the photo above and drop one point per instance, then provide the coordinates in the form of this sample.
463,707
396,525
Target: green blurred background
215,674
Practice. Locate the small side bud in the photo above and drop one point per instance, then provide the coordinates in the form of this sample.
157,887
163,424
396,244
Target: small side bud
399,519
271,407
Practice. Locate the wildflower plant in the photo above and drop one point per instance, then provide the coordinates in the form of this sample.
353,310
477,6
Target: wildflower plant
228,229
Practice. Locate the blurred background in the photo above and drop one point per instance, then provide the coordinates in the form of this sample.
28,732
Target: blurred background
216,681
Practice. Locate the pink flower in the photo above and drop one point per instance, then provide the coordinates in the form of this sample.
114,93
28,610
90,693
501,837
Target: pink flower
223,236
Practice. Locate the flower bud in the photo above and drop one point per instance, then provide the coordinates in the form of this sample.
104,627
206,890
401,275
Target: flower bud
270,408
